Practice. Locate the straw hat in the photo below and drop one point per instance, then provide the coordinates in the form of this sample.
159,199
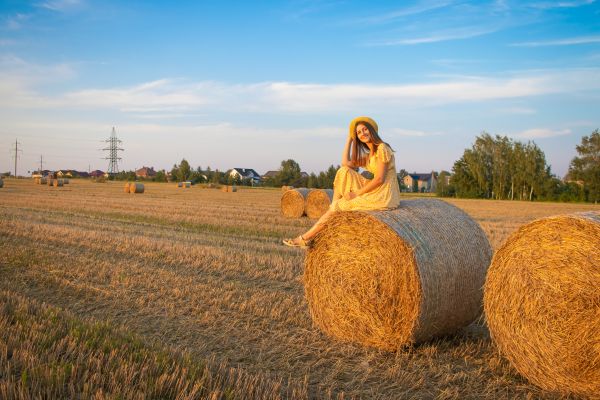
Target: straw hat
357,120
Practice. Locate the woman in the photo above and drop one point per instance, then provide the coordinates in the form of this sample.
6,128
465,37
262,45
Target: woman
353,192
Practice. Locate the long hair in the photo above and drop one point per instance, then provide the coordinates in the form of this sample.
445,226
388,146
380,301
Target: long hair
360,150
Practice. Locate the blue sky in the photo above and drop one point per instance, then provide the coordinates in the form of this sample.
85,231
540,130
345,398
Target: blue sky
249,84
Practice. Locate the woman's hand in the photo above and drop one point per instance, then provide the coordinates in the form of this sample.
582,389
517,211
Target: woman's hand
350,195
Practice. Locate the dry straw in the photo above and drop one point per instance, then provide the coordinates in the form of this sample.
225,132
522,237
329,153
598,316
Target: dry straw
57,183
43,181
126,187
391,278
286,188
317,202
179,184
293,202
542,302
229,189
187,184
136,187
51,181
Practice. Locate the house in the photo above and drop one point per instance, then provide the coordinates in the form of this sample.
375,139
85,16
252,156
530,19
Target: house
245,173
145,172
269,175
422,183
98,174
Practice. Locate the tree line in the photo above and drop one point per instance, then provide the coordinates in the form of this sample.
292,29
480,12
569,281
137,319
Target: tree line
497,167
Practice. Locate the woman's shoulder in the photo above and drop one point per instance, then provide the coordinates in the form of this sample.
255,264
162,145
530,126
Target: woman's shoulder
384,152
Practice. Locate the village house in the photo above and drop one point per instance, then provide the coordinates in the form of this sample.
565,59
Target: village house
145,172
245,173
421,183
269,175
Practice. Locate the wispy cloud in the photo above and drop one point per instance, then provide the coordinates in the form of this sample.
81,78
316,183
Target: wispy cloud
560,42
419,8
410,132
59,5
16,21
561,4
454,34
542,133
517,110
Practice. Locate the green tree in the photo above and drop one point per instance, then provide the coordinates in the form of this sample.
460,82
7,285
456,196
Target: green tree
289,172
586,166
184,171
160,176
444,188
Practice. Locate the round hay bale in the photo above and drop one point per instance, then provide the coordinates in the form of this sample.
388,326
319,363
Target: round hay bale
318,202
50,182
126,187
187,184
293,202
386,279
43,181
57,182
542,302
136,187
179,184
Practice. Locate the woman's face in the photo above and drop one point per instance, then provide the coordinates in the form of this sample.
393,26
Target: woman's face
363,134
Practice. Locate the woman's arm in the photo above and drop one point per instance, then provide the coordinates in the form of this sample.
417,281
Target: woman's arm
346,160
378,179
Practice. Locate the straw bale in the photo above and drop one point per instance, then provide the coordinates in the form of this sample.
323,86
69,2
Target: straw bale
317,202
542,302
43,181
179,184
391,278
229,189
57,182
136,187
293,202
126,187
187,184
36,181
50,182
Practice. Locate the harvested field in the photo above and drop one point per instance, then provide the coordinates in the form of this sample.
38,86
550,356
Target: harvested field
198,281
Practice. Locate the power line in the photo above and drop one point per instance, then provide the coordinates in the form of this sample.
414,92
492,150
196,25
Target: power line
113,152
16,156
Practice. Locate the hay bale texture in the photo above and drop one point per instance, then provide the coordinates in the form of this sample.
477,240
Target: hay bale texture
187,185
542,302
229,189
293,202
179,184
126,187
136,187
318,202
57,182
391,278
43,181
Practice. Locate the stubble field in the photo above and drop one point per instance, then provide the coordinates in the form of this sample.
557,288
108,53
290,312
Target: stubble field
188,293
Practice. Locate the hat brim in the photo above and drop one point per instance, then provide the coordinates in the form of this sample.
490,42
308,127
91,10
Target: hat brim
357,120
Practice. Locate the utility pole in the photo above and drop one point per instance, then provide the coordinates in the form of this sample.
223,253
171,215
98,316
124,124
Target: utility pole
16,156
41,163
113,155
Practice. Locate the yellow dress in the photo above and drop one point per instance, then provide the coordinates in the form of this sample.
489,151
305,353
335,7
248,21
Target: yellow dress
386,196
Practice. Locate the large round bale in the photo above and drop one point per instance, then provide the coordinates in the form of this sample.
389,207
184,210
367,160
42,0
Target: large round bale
127,187
293,202
318,202
391,278
542,302
58,183
136,187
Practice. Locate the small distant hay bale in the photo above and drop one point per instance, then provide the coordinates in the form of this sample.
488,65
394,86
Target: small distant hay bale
286,188
542,302
43,181
179,184
187,185
65,181
136,187
126,188
50,182
293,202
318,202
57,182
36,181
229,189
392,278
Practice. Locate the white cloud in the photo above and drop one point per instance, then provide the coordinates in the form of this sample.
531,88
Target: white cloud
418,8
454,34
59,5
410,132
562,4
560,42
542,133
16,21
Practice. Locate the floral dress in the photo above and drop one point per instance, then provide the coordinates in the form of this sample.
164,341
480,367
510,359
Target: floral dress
386,196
